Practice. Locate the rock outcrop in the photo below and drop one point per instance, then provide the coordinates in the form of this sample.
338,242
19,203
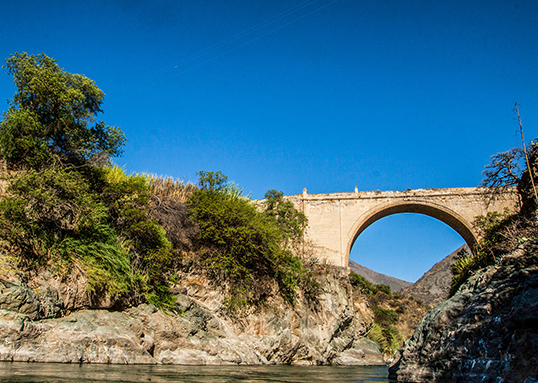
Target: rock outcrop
62,322
487,332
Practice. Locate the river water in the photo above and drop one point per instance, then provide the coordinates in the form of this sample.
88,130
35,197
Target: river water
85,373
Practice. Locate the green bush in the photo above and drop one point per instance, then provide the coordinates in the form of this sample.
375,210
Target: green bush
387,338
384,288
240,244
290,222
485,253
56,216
361,282
128,197
52,216
367,287
384,331
385,317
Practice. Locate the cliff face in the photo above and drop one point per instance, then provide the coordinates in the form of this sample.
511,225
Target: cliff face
487,332
44,319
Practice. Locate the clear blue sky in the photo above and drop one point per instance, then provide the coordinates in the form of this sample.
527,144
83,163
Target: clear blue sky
324,94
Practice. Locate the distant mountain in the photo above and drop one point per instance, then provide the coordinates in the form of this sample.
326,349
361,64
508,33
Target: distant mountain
433,287
378,278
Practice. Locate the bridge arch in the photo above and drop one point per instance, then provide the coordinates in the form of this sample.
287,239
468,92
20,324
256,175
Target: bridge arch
443,214
335,220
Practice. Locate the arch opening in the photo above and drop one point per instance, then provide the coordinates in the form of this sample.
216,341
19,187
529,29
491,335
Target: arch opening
440,214
404,246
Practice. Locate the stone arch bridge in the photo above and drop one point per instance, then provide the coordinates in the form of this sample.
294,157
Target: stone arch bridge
335,220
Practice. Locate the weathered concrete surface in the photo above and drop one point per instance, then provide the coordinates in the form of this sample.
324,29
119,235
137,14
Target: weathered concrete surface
337,219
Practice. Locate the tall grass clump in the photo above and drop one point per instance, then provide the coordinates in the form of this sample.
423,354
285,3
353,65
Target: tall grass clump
96,220
168,187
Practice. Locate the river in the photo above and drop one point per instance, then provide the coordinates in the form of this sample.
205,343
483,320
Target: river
19,372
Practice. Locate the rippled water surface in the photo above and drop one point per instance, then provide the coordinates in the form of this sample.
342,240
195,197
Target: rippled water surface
51,372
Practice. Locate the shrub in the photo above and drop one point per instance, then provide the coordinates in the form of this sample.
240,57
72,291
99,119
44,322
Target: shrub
367,287
241,245
58,216
491,228
384,316
388,338
361,282
384,288
128,197
52,216
290,222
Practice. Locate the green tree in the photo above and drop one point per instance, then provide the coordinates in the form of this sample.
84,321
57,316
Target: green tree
52,117
289,220
210,180
56,212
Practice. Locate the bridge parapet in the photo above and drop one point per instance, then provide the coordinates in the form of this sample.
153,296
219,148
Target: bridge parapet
377,194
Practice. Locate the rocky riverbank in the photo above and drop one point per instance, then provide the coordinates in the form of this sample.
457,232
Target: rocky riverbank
48,319
487,332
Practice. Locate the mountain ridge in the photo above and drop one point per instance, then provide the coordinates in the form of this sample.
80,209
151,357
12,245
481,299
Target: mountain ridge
378,278
431,288
434,286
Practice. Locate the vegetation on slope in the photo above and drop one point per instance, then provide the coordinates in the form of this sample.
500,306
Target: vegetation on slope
66,206
395,316
246,247
491,228
501,232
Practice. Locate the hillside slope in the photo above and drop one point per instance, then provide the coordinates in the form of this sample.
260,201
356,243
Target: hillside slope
378,278
433,287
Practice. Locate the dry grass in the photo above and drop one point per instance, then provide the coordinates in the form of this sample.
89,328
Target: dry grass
5,175
168,207
170,188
